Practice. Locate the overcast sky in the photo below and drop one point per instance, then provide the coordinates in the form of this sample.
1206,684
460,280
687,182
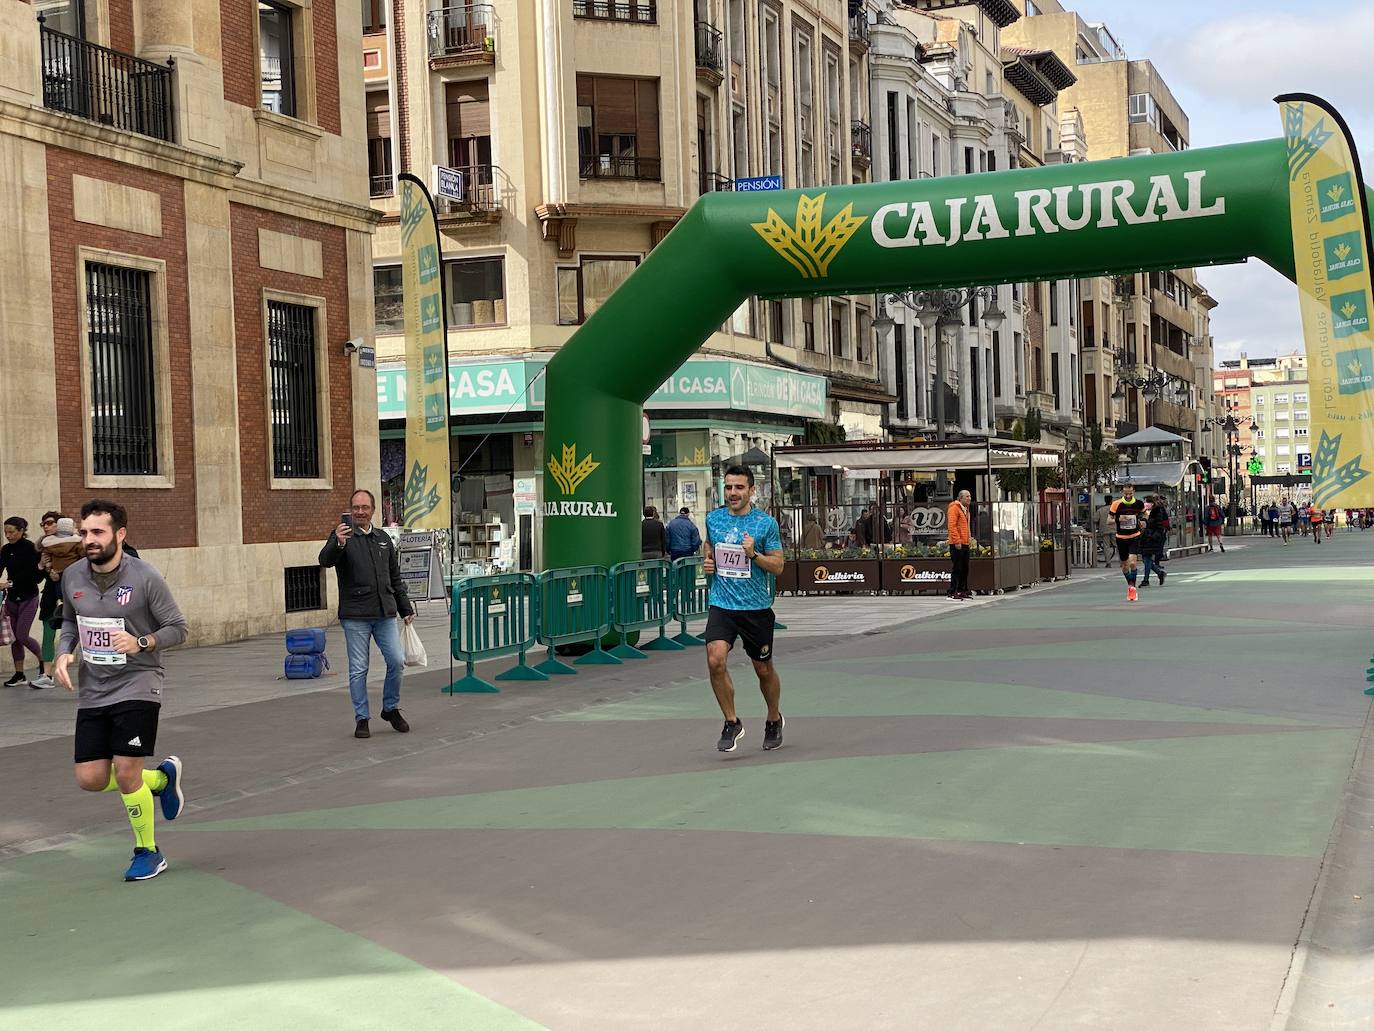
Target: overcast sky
1225,61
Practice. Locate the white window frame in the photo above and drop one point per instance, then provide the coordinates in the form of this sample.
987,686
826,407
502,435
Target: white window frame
165,478
323,434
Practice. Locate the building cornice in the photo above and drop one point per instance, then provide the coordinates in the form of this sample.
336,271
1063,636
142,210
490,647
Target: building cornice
66,132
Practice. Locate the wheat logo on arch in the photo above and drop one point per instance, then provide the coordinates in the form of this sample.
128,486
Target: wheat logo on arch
807,246
569,473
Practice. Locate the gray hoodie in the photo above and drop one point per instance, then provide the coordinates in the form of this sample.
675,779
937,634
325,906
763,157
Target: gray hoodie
139,603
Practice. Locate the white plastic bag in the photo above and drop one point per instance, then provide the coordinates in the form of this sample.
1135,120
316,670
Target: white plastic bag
414,647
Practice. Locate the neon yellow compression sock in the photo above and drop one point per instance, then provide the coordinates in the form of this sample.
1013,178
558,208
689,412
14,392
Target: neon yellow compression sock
139,806
153,780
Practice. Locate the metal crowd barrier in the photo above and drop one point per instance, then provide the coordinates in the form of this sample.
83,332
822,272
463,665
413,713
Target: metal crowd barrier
491,616
691,596
574,607
639,601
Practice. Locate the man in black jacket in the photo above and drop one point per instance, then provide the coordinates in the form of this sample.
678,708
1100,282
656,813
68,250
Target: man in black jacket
371,594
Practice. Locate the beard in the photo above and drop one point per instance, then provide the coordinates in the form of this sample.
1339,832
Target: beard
101,556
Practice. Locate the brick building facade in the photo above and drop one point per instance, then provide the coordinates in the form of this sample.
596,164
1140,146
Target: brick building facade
183,185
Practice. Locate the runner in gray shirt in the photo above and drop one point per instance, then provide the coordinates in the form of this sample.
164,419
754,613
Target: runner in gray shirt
118,611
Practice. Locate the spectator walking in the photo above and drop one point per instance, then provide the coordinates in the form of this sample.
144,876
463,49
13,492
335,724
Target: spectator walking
683,536
1212,519
1106,529
371,595
60,548
1152,541
960,541
20,579
812,536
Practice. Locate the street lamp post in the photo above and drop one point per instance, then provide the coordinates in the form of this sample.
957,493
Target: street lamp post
1230,427
938,310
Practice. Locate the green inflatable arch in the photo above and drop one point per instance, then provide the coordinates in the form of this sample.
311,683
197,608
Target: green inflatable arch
1200,207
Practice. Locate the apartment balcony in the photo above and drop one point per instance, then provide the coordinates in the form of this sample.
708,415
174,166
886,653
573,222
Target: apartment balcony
1170,416
1176,365
105,86
861,143
641,12
480,200
381,185
714,182
710,50
612,166
1171,311
461,36
860,33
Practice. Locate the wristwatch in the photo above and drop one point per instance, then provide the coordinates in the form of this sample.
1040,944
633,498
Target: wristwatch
144,643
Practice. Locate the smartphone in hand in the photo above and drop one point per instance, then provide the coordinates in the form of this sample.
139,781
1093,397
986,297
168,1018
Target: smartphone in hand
347,519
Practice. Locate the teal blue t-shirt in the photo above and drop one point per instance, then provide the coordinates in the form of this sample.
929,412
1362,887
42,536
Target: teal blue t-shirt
738,583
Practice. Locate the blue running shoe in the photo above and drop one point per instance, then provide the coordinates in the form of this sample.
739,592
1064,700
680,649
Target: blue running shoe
147,864
172,798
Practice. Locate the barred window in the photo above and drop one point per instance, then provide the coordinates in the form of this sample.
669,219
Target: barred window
123,378
295,400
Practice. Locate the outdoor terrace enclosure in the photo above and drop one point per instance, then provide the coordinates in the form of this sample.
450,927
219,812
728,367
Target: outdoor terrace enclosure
1198,207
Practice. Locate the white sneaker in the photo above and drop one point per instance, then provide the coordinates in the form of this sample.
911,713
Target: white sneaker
42,683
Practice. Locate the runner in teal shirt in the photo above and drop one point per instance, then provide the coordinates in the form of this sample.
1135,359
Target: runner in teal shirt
743,547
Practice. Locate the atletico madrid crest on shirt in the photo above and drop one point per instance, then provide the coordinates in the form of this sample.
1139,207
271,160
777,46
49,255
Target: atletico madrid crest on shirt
123,595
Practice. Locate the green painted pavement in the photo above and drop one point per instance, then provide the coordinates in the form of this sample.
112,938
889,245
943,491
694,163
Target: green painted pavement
818,692
1273,795
81,949
1341,648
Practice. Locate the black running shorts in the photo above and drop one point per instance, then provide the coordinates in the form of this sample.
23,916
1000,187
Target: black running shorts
755,626
125,728
1127,546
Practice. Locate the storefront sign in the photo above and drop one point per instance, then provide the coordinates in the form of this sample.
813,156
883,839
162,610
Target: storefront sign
702,383
420,567
916,574
828,576
525,496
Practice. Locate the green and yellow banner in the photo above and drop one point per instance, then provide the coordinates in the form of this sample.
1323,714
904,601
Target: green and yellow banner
1332,256
425,505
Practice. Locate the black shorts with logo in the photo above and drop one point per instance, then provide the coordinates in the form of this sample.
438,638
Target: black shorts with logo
124,728
755,626
1128,546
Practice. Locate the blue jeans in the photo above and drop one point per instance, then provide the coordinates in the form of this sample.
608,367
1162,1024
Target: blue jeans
1152,562
358,635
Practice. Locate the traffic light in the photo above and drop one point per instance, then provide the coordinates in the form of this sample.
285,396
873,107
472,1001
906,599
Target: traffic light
1205,476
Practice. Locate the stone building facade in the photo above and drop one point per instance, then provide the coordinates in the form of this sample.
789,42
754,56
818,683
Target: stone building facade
188,241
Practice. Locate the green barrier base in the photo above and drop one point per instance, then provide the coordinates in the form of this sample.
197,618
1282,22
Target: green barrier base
554,667
663,643
689,640
627,651
522,672
597,657
470,683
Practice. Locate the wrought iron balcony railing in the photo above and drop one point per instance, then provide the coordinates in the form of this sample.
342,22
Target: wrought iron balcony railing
105,86
710,49
381,185
861,140
714,182
481,191
859,31
609,166
645,12
469,29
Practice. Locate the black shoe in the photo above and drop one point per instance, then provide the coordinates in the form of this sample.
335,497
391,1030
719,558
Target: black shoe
730,735
397,721
772,733
16,680
361,729
1162,574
